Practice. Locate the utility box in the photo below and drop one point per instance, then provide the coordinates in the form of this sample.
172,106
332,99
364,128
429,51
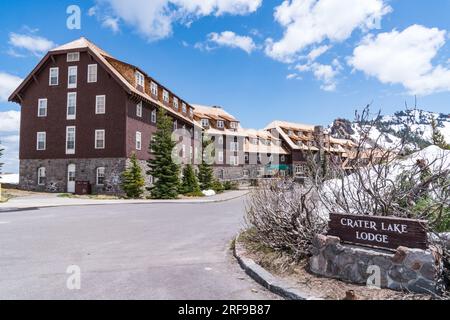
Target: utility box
83,188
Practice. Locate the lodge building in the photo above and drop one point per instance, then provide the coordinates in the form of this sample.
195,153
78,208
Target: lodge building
84,113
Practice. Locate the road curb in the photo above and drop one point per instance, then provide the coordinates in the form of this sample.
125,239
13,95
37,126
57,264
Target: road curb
141,202
272,283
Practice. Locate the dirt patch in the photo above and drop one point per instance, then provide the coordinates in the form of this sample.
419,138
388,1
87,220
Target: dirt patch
296,273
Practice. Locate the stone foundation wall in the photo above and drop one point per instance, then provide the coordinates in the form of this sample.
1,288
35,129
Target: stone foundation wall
228,173
407,269
86,170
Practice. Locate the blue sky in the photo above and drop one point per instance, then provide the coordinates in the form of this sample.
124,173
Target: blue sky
259,59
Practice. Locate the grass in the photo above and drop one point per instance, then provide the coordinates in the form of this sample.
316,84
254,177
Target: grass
5,196
92,197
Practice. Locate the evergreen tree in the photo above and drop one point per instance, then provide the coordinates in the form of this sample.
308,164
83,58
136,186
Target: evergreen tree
164,170
206,173
190,183
438,137
132,180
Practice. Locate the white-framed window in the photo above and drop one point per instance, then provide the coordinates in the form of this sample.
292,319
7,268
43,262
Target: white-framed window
41,141
175,125
299,169
258,157
41,176
154,88
72,77
92,73
166,96
100,104
100,139
234,146
71,105
233,125
283,158
150,180
153,116
234,160
247,158
205,122
70,140
220,141
42,107
100,176
138,140
220,157
53,77
140,80
73,57
271,158
152,141
175,103
139,109
220,124
183,107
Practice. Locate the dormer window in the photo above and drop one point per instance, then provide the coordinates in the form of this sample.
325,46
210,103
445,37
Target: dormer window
220,124
73,57
140,80
154,89
166,96
184,107
233,125
191,112
255,140
290,132
205,122
175,103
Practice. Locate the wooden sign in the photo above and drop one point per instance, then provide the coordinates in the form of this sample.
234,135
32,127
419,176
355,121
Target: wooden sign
379,232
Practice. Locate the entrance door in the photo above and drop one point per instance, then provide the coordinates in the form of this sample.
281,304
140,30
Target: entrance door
71,169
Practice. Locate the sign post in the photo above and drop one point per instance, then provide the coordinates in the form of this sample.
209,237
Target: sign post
379,232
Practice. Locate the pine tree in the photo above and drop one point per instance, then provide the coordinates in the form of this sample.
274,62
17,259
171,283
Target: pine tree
206,173
190,183
438,137
164,170
132,180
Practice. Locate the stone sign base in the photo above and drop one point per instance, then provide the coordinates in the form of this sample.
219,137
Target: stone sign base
407,269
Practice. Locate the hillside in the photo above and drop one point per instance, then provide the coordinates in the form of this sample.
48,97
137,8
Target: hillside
414,125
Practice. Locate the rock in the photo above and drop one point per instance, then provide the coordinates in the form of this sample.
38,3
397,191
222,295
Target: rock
209,193
412,269
400,255
429,271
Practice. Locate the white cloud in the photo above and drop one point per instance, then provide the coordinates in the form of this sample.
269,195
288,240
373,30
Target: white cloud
325,73
111,23
10,158
154,19
8,83
29,43
232,40
404,58
311,22
9,121
317,52
9,140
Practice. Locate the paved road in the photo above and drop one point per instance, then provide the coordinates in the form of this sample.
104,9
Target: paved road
149,251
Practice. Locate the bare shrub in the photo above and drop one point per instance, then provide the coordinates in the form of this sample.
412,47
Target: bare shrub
284,216
386,180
